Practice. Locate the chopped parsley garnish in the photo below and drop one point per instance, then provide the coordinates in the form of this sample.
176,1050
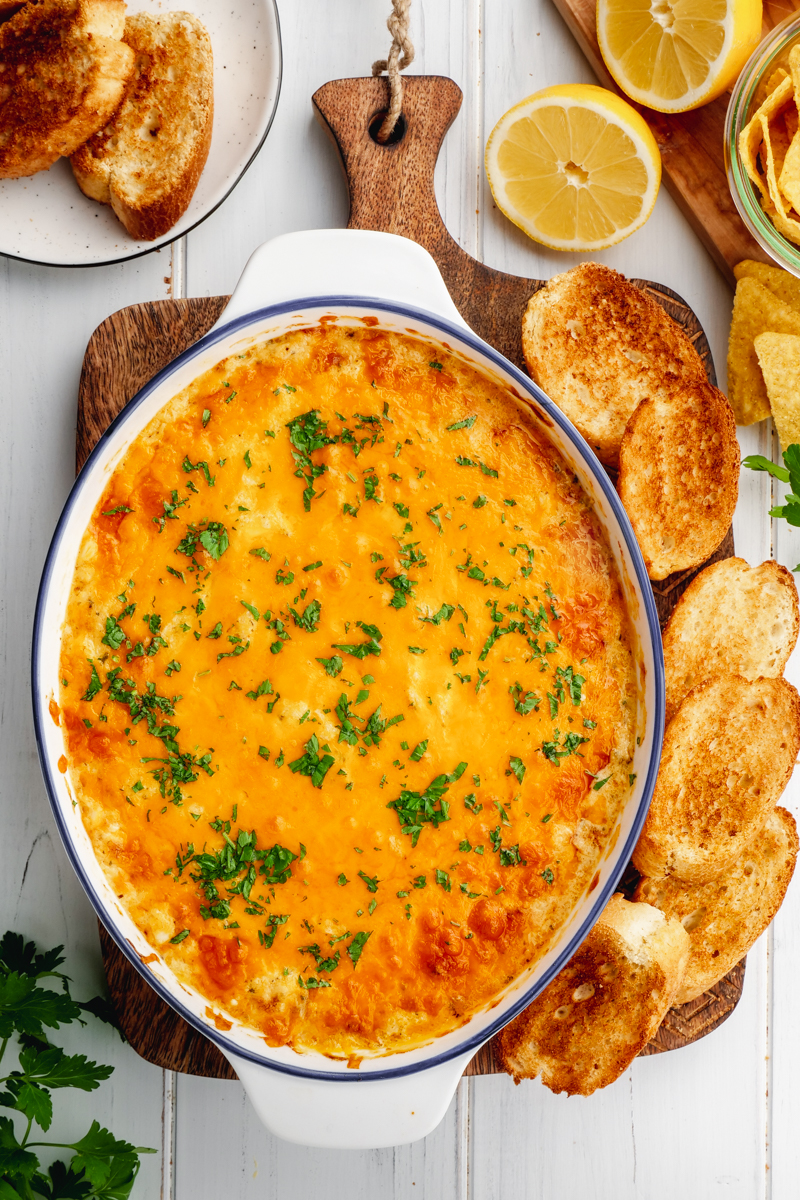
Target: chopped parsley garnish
120,508
260,552
357,945
555,752
467,423
332,665
188,466
312,764
473,462
363,649
309,619
524,702
274,921
415,809
307,434
94,684
444,614
443,879
213,537
419,750
517,767
371,882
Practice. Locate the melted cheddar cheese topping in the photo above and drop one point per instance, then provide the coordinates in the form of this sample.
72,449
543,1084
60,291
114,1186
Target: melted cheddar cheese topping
347,689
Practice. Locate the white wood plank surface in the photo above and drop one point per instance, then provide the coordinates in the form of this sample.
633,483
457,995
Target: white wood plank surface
718,1119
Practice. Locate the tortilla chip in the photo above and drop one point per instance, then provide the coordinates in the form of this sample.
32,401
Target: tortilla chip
789,175
791,121
765,89
780,142
751,140
781,283
756,132
787,224
756,310
779,358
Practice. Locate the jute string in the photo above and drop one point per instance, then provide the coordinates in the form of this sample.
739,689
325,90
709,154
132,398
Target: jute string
394,64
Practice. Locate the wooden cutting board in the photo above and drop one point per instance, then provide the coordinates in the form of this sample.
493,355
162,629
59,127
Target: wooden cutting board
691,146
391,189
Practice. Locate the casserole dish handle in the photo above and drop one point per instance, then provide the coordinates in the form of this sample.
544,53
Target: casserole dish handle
357,1114
320,264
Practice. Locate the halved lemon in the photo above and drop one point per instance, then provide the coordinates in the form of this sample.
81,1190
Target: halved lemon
673,55
574,166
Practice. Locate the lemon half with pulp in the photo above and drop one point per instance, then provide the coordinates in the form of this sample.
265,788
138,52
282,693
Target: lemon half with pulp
574,166
673,55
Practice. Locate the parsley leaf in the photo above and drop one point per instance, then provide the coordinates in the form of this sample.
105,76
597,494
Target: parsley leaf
415,809
312,764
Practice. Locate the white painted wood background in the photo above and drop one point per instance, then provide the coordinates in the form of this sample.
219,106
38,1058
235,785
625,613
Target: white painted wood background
717,1119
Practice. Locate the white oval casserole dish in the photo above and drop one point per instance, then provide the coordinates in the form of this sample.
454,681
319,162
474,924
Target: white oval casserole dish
290,283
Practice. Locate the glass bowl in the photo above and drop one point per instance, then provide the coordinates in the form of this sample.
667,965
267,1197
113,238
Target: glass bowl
773,52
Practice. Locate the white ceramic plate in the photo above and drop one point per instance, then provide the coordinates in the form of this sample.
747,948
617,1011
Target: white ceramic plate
47,218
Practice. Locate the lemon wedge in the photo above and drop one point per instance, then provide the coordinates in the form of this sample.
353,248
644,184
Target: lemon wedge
574,166
673,55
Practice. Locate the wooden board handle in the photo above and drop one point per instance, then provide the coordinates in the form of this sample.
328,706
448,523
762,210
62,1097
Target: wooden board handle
391,190
391,186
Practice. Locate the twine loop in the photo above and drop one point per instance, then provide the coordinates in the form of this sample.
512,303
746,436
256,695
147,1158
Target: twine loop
398,27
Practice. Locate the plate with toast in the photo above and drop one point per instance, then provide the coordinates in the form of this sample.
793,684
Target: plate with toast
124,125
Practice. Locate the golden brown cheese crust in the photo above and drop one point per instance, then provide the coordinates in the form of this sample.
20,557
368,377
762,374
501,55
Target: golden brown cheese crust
392,647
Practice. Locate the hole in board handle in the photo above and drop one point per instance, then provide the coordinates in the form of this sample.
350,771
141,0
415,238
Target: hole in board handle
397,134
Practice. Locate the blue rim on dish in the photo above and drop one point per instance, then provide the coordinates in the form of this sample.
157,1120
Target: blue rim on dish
168,241
532,392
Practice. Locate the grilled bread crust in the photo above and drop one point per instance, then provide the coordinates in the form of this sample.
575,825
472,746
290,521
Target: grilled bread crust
725,917
679,476
712,630
589,1024
63,71
148,159
728,754
598,346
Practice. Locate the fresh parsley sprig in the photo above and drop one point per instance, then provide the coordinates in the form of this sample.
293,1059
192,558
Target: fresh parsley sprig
102,1166
790,510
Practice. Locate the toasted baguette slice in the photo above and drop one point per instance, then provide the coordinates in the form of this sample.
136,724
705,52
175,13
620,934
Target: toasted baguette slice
147,161
598,346
9,7
732,619
63,71
679,476
589,1024
725,917
727,756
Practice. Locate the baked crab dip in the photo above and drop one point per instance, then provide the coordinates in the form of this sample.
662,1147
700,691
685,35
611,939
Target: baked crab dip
347,689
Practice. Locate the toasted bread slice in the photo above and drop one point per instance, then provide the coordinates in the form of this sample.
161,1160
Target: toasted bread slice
589,1024
9,7
63,71
732,619
723,918
146,162
728,754
598,346
679,476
